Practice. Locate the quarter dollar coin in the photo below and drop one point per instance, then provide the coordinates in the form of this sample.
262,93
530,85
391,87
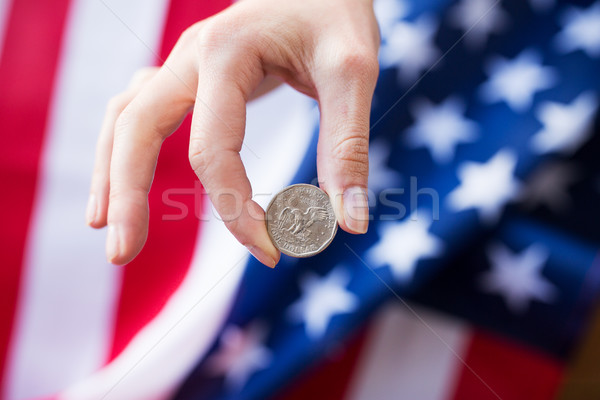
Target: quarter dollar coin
301,221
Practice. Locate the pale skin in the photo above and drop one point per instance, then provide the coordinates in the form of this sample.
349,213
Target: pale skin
324,49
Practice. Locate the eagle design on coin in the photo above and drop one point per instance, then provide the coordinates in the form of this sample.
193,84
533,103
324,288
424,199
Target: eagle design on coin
294,220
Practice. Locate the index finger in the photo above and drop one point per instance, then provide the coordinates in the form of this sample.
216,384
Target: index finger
224,85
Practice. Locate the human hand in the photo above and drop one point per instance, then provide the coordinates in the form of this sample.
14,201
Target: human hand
325,49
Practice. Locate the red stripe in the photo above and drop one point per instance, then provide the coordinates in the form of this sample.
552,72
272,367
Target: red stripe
156,273
512,371
330,378
27,70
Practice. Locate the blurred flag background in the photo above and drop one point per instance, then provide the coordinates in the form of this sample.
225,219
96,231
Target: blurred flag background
478,278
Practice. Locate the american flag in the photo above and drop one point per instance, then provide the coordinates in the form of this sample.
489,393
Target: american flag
477,279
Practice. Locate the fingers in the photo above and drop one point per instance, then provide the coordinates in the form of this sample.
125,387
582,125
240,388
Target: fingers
233,55
345,90
139,131
216,139
98,200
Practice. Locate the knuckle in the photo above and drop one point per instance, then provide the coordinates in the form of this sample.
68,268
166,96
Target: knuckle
199,157
117,104
190,35
232,224
115,194
124,121
362,63
352,155
132,118
236,227
227,34
131,195
216,33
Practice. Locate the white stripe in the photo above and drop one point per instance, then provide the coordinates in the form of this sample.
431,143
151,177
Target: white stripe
404,359
279,130
4,10
66,305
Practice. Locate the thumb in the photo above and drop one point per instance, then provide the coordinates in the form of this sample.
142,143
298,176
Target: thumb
345,91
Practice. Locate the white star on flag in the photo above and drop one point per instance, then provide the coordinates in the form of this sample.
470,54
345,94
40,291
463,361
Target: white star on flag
549,185
323,298
566,126
441,128
380,175
241,354
410,47
388,13
581,31
516,81
517,278
403,244
478,19
486,187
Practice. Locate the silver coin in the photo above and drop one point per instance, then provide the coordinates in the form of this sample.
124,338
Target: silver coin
301,221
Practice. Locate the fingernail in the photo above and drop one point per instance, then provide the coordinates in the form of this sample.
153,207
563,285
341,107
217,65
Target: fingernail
261,256
356,209
112,243
92,209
